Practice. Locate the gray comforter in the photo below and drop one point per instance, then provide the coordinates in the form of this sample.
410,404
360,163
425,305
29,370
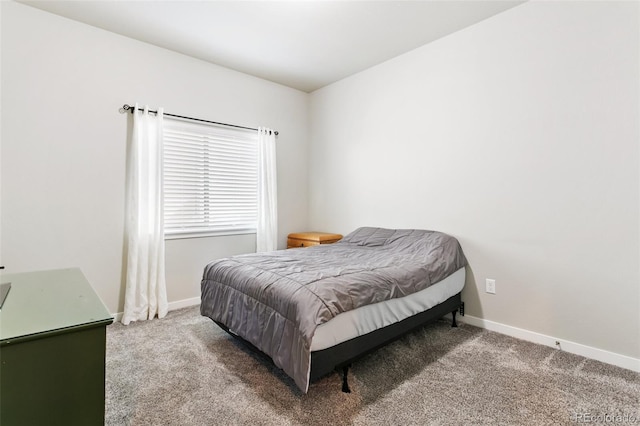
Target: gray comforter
276,300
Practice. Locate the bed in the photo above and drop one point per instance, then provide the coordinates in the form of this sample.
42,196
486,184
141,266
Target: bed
312,310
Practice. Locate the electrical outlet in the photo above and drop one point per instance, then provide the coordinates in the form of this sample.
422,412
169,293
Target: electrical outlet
490,286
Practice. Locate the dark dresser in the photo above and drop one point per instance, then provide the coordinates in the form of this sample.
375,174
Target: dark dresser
52,350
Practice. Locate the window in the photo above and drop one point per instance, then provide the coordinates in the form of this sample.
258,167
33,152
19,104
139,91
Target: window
210,179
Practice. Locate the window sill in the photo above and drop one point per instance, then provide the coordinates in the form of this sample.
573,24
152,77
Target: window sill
206,234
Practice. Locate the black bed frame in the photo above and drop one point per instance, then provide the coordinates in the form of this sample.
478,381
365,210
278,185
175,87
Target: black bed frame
344,354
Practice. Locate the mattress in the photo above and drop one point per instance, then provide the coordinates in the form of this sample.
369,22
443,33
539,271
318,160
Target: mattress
357,322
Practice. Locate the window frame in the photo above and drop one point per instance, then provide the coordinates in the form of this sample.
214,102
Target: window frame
210,134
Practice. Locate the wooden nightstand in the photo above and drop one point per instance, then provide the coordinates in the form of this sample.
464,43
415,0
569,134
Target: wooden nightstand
308,239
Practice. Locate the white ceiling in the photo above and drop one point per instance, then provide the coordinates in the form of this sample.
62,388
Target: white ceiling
302,44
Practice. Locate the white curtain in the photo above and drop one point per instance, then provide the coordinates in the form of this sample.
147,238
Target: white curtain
146,293
267,233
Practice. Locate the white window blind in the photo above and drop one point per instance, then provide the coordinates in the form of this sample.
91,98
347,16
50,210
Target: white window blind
210,179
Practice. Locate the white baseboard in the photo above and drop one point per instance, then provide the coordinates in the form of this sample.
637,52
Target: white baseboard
612,358
184,303
178,304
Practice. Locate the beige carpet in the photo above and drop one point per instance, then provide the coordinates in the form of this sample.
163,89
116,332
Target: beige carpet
184,370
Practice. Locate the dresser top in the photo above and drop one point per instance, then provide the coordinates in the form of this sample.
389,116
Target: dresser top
47,302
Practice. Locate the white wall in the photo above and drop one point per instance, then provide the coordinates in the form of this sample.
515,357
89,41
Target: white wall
63,145
518,135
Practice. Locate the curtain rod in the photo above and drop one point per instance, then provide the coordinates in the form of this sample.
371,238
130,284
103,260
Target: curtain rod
129,108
